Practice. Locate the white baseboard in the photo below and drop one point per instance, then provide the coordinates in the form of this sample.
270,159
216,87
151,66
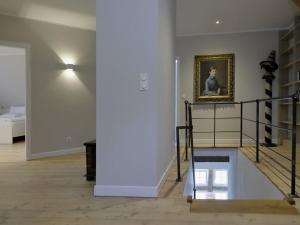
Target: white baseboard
56,153
133,191
165,175
124,191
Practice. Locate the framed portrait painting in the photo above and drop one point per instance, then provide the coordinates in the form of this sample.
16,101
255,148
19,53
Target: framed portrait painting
214,78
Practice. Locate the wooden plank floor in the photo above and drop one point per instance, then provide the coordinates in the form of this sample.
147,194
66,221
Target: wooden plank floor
54,192
244,206
171,188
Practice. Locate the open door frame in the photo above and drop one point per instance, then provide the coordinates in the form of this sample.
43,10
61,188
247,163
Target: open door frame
27,48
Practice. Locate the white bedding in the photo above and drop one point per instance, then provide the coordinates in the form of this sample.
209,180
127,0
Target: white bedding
12,124
12,117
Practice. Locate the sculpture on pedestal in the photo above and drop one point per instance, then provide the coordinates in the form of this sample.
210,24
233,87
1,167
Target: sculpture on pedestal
269,66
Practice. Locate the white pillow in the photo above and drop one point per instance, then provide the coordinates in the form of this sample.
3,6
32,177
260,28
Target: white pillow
17,109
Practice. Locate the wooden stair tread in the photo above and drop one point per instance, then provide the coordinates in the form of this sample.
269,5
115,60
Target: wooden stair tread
243,206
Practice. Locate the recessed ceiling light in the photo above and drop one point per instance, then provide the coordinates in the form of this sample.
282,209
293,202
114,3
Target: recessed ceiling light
218,22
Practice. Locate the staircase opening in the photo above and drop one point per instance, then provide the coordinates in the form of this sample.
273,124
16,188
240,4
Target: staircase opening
225,174
244,174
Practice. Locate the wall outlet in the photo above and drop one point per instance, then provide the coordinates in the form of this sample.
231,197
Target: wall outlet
69,139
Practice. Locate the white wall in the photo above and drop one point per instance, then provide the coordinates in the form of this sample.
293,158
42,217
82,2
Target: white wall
132,151
251,183
62,104
249,50
166,82
12,77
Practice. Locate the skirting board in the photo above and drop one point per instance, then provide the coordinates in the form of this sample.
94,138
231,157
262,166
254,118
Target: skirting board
124,191
225,141
56,153
133,191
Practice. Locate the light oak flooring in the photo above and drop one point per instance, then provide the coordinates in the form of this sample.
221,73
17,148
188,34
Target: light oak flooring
244,206
12,153
54,192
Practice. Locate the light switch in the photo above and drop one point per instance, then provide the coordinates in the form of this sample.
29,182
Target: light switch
144,82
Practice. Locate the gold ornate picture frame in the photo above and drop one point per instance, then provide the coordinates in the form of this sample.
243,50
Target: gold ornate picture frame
214,78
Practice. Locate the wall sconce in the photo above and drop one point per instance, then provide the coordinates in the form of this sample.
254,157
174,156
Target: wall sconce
70,67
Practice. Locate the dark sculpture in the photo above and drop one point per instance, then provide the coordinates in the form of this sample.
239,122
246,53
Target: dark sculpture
270,66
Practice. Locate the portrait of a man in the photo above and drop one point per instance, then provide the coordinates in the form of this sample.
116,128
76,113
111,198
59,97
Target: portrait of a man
214,78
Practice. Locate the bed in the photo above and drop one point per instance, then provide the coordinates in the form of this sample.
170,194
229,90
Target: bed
12,125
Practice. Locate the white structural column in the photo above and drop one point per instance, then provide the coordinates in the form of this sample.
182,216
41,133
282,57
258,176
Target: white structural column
135,96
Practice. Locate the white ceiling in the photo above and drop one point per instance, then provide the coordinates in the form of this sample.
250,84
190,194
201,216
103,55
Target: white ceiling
75,13
196,17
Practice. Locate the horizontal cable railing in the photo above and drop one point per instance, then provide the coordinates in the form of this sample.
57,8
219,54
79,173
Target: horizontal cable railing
271,125
219,118
189,132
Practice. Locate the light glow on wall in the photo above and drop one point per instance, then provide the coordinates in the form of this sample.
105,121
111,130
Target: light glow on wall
69,73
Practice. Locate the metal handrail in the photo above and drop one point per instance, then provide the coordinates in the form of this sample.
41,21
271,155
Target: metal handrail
189,131
282,98
219,118
217,131
270,99
215,103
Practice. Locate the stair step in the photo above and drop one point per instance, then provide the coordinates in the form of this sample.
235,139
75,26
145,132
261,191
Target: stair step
243,206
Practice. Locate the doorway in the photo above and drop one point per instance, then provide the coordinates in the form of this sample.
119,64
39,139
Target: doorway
14,102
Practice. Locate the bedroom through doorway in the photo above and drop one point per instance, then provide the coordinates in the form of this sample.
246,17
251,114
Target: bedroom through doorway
13,73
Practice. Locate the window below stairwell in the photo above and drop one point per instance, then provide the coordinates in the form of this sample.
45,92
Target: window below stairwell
201,177
211,184
220,178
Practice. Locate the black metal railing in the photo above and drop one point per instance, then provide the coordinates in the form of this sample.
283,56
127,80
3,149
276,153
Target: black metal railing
189,131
